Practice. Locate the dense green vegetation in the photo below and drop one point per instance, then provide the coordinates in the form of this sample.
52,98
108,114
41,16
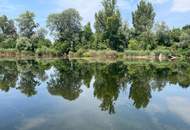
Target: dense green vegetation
111,33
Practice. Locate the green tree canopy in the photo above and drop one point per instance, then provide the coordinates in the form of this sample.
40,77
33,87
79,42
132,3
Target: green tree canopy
7,27
26,24
143,17
87,37
163,34
108,23
66,26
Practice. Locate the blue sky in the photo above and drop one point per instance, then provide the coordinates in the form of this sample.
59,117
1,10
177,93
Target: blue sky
175,13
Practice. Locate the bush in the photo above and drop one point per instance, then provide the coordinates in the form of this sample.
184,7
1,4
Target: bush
163,52
7,50
62,47
184,53
147,41
184,40
133,45
137,53
8,43
24,44
80,52
45,51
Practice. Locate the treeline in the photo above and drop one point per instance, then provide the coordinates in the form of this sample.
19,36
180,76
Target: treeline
111,32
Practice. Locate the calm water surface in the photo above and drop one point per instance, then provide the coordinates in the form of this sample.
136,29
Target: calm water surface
79,95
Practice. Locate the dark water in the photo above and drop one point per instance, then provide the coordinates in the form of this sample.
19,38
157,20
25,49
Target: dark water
78,95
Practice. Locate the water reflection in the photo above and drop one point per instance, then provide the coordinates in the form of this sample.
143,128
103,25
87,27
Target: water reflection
67,77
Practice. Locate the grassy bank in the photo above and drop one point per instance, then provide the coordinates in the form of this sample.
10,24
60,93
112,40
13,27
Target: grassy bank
128,54
99,54
13,53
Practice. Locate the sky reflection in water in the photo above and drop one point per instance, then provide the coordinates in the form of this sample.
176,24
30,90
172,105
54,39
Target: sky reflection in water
79,95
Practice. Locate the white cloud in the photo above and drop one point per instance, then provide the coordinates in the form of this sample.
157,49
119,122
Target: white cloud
5,7
32,123
8,8
180,106
86,8
181,6
157,1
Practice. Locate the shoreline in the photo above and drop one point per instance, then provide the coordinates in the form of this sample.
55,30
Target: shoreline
91,54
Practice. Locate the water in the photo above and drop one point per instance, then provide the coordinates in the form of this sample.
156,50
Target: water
81,95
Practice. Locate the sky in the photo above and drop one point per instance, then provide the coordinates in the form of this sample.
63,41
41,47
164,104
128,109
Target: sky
175,13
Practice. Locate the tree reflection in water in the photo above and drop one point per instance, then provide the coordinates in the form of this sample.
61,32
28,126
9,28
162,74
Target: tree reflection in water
110,79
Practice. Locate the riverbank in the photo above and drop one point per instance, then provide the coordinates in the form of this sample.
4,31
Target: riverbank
128,54
13,53
93,54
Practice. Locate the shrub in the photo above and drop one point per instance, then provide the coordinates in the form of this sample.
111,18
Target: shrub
80,52
45,51
163,52
136,53
7,50
8,43
133,45
43,42
62,47
24,44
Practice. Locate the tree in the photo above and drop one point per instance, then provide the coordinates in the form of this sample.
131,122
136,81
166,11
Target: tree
39,38
147,40
163,34
124,35
7,27
185,39
143,17
108,23
41,33
26,24
8,33
66,26
175,35
87,36
186,27
143,20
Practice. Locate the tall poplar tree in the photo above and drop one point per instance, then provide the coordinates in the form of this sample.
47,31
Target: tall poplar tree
108,23
143,17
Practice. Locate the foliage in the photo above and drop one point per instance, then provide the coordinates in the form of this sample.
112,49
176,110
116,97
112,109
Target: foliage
62,47
41,33
147,40
8,33
137,53
26,24
185,39
124,35
108,23
175,35
87,37
24,44
66,27
8,43
163,34
45,51
134,44
164,52
44,43
143,17
7,28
